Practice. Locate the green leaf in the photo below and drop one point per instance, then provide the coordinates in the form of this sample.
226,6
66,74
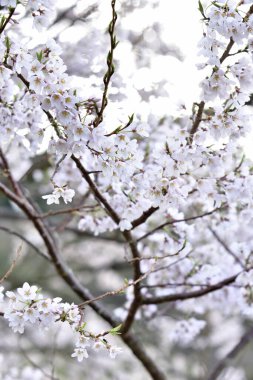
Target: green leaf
7,43
115,330
82,327
39,55
131,118
2,21
215,3
201,9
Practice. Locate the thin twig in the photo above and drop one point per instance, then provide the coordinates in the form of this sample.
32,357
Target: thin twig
35,365
110,66
66,211
28,242
13,264
226,247
174,221
118,291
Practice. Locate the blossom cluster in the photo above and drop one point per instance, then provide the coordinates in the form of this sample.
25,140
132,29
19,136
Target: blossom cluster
42,11
59,192
27,306
178,168
186,331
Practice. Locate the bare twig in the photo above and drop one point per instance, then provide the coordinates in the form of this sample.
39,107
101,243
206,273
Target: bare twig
118,291
35,365
174,221
33,246
13,264
227,249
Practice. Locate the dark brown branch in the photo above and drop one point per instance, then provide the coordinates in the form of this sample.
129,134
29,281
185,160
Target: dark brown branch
100,198
12,10
137,290
68,276
141,354
146,214
7,172
197,120
227,50
188,295
175,284
128,237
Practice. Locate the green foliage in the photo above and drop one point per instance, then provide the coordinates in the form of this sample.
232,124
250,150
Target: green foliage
116,330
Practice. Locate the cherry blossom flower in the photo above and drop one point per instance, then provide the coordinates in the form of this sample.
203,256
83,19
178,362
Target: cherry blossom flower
80,354
66,194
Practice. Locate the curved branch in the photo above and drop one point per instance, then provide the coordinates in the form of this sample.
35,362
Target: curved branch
68,276
188,295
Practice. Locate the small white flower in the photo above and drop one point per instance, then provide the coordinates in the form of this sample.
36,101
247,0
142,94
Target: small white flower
142,130
98,345
31,315
28,292
37,83
45,305
46,104
114,351
65,117
83,341
80,353
52,198
40,22
12,296
57,101
66,194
